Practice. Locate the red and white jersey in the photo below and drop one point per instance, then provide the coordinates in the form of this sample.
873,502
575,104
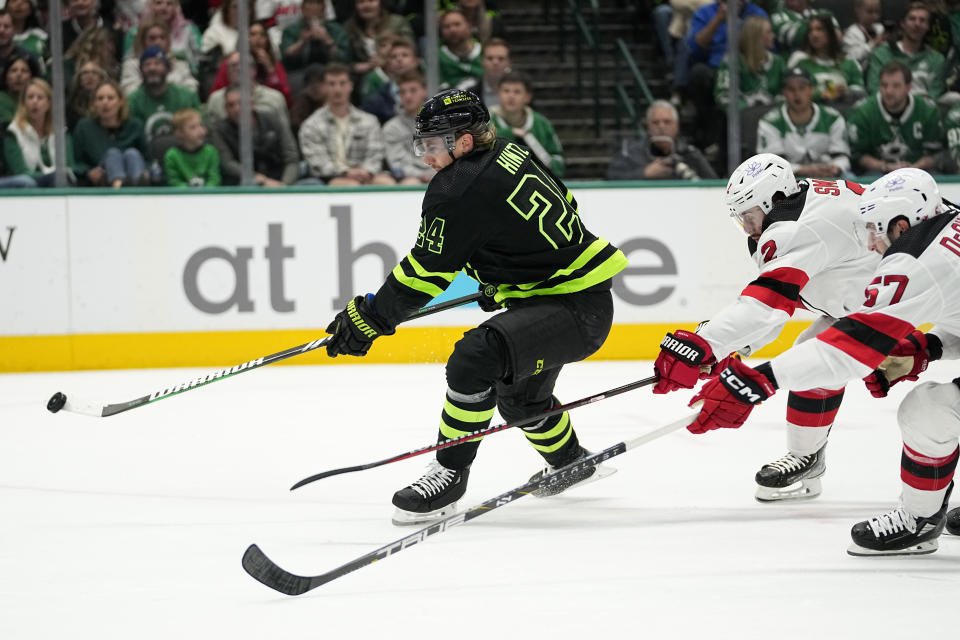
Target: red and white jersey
917,282
811,255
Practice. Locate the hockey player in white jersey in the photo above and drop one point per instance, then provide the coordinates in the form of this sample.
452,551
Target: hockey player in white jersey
803,237
918,281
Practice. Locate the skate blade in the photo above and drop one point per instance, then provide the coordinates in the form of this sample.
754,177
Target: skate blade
403,518
916,550
601,473
808,488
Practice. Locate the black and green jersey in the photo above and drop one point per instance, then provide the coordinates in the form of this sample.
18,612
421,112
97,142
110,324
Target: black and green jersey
506,220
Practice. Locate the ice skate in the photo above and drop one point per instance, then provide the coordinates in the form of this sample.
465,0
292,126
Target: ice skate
898,533
577,476
953,522
432,497
791,477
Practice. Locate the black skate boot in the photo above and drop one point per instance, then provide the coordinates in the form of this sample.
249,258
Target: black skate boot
953,521
791,477
432,497
575,477
897,533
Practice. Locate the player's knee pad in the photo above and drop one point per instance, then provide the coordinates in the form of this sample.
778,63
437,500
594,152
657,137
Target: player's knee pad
928,418
477,362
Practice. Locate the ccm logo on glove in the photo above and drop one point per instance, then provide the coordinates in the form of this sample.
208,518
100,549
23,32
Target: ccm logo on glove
746,390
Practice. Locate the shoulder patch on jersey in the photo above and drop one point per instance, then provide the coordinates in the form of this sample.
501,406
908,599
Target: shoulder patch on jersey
917,238
788,210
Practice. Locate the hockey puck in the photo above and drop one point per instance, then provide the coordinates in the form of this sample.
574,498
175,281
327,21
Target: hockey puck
56,402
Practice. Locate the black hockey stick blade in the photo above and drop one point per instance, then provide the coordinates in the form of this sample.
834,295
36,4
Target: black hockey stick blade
444,444
65,402
264,570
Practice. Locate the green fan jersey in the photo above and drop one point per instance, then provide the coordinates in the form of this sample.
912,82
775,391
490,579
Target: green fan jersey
916,132
927,66
758,88
540,137
951,122
157,112
822,139
502,217
829,74
790,27
456,72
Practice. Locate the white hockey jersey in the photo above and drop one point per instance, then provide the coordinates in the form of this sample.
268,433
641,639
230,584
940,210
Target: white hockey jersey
918,281
811,255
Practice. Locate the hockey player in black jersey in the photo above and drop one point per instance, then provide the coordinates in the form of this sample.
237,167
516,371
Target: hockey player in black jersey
496,212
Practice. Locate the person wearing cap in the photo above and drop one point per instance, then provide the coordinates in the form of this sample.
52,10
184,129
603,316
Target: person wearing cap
811,137
157,100
342,144
154,33
496,212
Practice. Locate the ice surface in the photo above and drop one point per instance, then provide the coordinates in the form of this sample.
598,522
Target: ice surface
133,526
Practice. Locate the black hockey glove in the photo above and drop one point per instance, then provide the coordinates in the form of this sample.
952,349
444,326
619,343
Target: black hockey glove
486,300
354,329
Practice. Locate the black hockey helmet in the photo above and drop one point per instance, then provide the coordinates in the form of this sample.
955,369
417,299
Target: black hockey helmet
449,113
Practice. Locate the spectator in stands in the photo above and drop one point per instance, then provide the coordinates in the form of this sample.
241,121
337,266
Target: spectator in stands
839,80
110,145
29,143
86,80
895,128
277,15
342,144
383,102
85,15
99,45
496,62
864,35
515,120
155,34
155,102
761,70
951,125
703,50
222,32
311,39
13,78
369,20
9,49
264,98
790,21
27,30
9,180
377,77
484,23
310,98
275,156
405,167
811,137
459,64
927,65
671,21
270,71
192,162
661,154
184,36
126,14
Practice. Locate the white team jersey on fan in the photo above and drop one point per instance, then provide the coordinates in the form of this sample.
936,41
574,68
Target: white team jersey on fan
917,282
815,234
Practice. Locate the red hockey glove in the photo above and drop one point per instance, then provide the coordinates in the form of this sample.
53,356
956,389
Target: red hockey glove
681,356
907,361
729,399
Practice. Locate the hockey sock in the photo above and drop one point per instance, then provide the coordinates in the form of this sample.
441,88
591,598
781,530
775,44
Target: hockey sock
463,414
554,439
810,414
925,480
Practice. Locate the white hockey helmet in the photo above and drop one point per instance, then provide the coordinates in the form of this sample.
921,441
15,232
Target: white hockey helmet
909,193
755,183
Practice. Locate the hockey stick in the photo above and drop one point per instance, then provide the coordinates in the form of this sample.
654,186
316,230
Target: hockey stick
444,444
59,400
263,569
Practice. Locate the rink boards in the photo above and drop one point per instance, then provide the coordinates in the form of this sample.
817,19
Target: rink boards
101,280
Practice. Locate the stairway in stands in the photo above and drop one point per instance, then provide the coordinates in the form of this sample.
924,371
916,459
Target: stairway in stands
534,38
